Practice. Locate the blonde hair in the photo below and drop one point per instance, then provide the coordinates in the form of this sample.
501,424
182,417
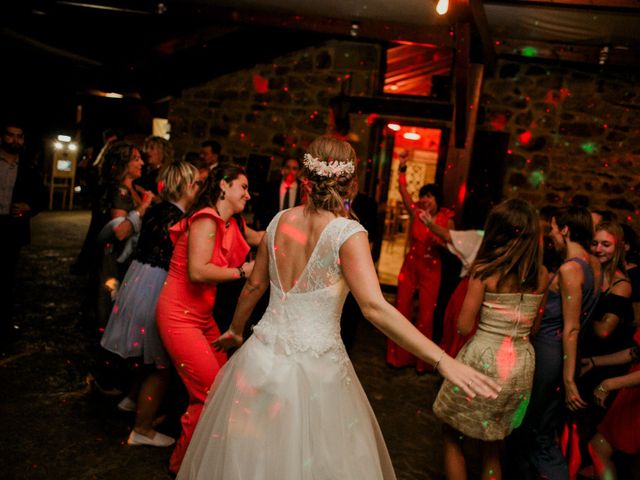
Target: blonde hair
175,178
329,192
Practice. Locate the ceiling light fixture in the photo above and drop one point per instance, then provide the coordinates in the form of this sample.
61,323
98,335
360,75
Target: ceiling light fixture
442,7
412,136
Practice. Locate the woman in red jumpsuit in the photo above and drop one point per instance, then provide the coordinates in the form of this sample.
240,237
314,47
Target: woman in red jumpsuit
420,271
208,243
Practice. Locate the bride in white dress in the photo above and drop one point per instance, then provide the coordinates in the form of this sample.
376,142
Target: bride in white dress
288,404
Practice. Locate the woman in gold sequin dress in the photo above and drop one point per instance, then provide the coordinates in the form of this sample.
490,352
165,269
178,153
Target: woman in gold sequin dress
505,286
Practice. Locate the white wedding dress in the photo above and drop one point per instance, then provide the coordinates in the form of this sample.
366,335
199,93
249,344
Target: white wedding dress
288,404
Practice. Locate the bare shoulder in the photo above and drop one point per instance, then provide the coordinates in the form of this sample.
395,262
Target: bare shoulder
622,285
570,268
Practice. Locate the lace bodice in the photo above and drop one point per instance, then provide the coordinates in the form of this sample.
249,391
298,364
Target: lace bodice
307,317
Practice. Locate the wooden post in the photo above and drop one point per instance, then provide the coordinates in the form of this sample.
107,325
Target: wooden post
459,158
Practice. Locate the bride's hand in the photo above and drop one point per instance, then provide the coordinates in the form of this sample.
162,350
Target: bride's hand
468,379
227,340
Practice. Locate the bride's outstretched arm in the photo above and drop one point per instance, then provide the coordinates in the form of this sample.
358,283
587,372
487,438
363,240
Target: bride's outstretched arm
360,274
253,290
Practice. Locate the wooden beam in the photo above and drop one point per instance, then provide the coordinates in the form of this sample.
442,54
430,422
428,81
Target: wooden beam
461,73
366,29
573,4
617,55
484,33
458,163
396,106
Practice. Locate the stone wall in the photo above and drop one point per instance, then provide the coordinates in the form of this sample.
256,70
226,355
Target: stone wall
571,132
274,109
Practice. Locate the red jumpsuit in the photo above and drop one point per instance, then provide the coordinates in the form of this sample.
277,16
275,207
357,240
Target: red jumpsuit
185,321
420,272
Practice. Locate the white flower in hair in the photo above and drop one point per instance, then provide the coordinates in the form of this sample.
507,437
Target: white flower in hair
328,169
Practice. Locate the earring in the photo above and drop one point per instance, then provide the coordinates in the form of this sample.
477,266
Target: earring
222,195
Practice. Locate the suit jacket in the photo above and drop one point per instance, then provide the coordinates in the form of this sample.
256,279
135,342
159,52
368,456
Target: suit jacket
268,203
28,189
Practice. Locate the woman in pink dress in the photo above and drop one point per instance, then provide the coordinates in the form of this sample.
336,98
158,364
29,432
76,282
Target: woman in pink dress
208,242
420,271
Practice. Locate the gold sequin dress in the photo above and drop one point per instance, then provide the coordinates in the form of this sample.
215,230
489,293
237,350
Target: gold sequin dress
501,350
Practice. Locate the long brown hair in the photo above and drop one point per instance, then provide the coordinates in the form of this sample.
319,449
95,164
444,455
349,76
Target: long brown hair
511,245
329,192
116,161
617,260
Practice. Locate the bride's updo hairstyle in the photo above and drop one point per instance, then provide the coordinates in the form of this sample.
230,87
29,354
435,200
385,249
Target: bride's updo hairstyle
328,172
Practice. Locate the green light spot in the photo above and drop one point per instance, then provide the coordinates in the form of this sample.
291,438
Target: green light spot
589,147
486,366
518,415
456,389
485,423
536,178
529,52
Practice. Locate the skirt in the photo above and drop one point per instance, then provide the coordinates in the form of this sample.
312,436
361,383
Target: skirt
131,330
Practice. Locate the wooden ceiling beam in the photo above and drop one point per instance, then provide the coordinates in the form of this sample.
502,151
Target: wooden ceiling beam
437,35
579,4
484,32
472,12
618,56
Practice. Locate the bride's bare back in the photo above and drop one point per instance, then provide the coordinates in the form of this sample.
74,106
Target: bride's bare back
296,237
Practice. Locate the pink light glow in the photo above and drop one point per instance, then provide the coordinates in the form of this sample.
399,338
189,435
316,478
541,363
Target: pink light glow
295,234
505,359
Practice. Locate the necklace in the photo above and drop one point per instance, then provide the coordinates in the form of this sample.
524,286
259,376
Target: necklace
227,223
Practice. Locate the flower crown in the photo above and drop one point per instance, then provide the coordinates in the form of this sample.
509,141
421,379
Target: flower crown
332,168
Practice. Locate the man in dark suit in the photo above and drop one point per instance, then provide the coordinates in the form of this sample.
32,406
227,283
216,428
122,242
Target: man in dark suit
210,153
21,197
281,194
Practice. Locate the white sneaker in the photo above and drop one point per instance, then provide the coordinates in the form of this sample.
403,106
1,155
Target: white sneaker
127,404
158,440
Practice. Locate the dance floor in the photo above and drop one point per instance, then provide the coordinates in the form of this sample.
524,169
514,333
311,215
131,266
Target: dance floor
56,427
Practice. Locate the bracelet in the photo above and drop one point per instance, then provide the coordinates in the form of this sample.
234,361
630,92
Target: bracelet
435,365
241,272
402,168
593,363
